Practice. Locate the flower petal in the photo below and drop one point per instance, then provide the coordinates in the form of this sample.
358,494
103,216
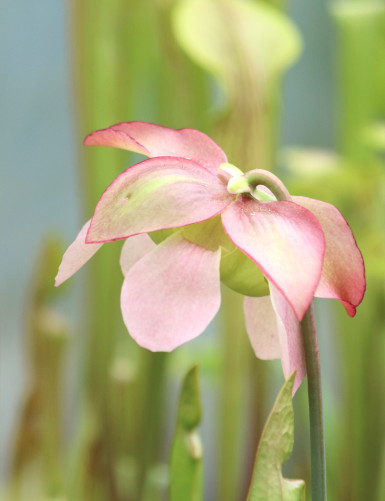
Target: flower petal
77,254
262,328
343,272
157,141
134,248
275,332
285,240
290,338
159,193
171,294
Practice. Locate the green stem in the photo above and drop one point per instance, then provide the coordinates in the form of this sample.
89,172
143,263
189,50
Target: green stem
317,440
232,396
148,432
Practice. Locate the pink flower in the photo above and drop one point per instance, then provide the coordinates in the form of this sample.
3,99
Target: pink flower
221,229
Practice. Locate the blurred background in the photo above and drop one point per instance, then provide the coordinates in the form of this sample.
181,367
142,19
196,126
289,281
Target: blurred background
292,87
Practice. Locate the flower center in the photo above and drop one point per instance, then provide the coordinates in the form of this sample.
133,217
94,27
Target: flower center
238,182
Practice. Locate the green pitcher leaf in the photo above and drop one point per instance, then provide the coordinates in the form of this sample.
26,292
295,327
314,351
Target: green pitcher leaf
242,275
227,36
274,450
186,453
237,271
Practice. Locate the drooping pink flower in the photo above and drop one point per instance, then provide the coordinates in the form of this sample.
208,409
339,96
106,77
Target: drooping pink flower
223,228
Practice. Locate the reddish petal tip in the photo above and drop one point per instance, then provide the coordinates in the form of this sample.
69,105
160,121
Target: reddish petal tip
343,272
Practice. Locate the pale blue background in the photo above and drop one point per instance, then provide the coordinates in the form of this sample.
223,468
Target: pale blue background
39,188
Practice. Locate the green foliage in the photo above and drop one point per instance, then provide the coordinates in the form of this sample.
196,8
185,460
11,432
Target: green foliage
186,453
228,36
237,271
361,27
246,46
274,450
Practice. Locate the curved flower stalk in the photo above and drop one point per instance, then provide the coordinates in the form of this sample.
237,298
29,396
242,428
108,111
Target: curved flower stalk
192,220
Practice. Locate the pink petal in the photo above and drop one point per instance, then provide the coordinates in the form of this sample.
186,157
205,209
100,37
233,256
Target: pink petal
275,332
262,328
77,254
290,338
171,294
285,240
157,141
343,273
134,248
156,194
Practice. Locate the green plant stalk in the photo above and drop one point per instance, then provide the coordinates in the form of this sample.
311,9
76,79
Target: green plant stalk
360,38
98,69
148,432
232,399
317,435
363,415
360,28
97,102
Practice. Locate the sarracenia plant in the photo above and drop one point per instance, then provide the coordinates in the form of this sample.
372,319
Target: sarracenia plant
191,220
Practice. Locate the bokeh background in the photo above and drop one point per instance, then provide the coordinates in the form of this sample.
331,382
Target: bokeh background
85,414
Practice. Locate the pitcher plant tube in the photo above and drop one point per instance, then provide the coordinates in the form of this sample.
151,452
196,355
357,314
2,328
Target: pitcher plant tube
191,220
